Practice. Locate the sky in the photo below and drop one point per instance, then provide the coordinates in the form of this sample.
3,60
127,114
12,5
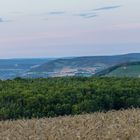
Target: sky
52,28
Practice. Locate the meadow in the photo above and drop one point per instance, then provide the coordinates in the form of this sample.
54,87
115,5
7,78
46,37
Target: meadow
126,71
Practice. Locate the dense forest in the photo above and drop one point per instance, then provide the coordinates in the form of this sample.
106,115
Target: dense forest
27,98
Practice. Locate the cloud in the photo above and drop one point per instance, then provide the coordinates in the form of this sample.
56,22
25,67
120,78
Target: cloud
52,13
107,8
2,20
87,15
56,13
91,16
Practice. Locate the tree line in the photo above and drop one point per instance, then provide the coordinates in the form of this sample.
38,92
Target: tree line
52,97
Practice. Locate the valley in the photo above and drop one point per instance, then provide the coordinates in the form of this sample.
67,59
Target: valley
62,67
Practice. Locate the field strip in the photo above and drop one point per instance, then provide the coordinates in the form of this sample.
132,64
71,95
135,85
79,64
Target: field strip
113,125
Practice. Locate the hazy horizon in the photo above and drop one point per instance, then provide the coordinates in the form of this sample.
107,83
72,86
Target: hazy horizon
52,29
9,58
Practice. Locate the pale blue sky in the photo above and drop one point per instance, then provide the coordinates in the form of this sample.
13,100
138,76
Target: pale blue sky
52,28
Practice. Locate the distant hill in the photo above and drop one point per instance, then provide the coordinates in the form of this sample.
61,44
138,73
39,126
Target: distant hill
69,66
82,66
22,63
11,68
128,69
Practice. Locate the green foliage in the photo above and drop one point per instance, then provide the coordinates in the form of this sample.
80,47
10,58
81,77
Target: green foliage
27,98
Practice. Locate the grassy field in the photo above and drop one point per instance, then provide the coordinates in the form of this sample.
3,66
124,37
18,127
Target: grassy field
113,125
126,71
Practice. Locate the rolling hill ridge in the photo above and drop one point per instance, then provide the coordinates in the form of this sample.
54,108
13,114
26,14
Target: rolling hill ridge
82,66
60,67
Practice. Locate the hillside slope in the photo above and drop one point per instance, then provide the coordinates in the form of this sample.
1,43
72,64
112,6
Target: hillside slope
82,66
113,125
129,69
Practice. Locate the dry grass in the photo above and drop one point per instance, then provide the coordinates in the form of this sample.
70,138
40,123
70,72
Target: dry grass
114,125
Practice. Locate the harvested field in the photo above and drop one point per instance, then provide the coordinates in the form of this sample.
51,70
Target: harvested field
113,125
